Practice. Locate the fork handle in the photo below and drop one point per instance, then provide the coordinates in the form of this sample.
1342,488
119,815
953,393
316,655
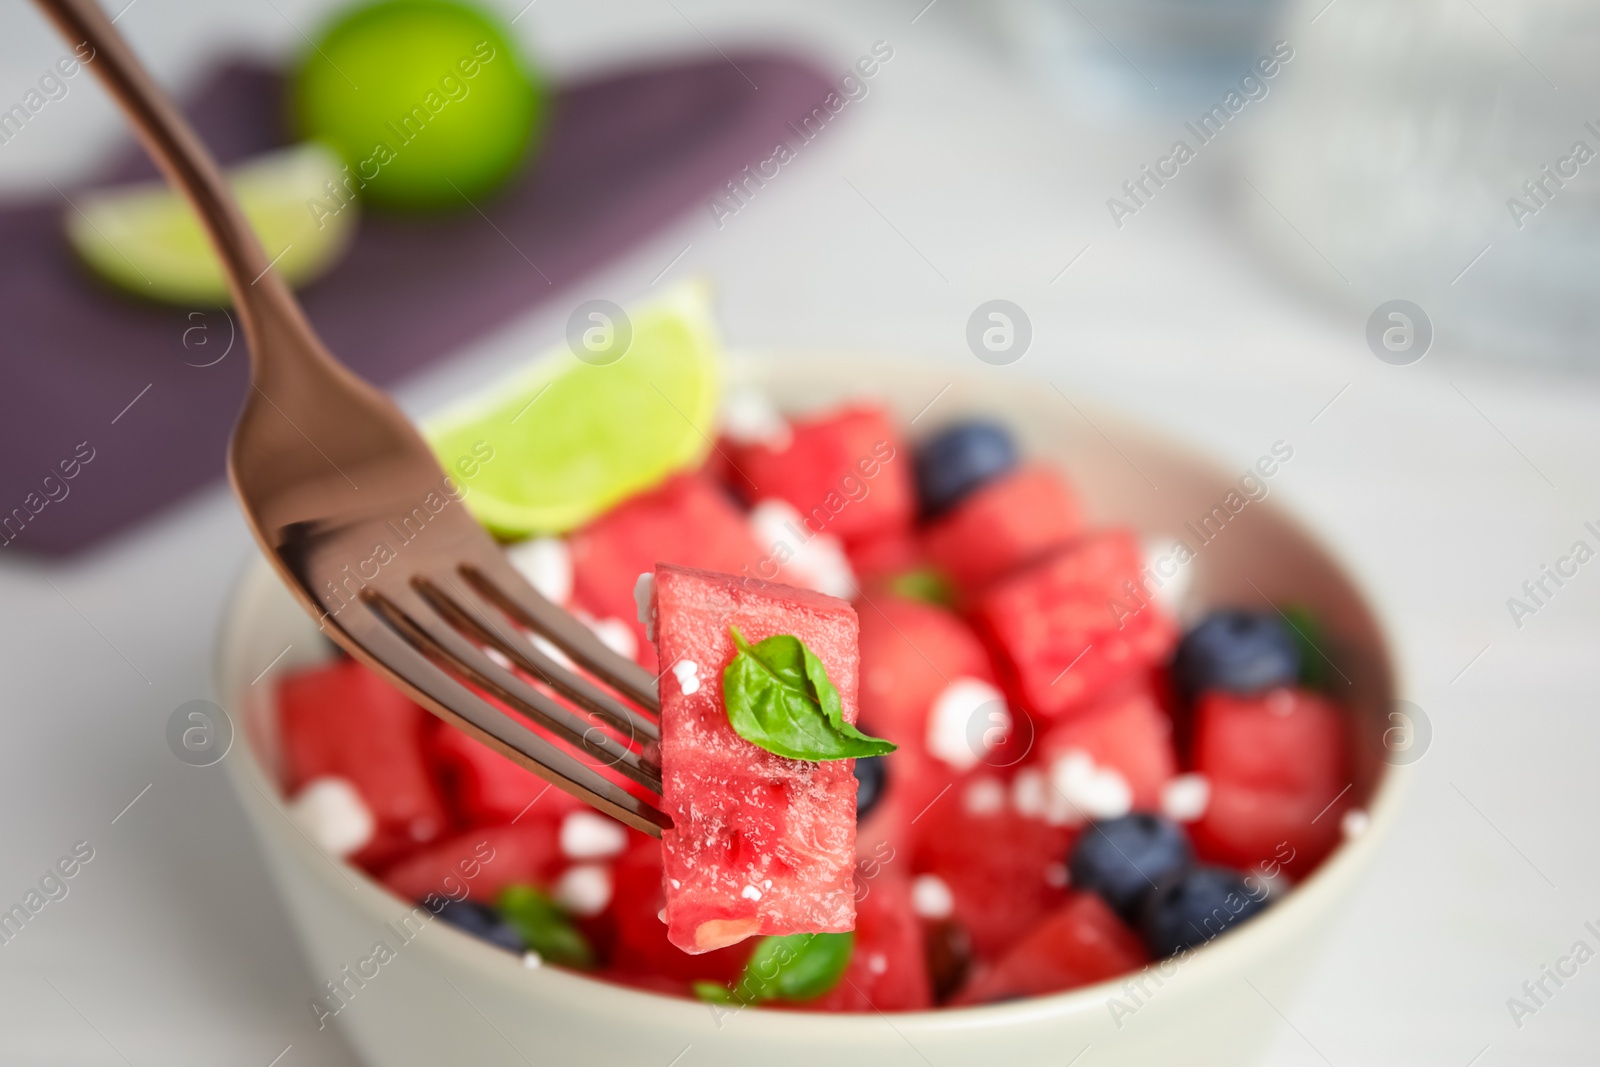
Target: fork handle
263,301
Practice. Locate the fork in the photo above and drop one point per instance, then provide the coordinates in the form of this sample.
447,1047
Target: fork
328,471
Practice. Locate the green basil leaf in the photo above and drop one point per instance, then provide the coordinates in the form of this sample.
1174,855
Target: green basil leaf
713,992
1308,636
778,697
924,584
545,927
795,967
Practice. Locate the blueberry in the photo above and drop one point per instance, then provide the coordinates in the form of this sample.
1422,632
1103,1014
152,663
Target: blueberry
960,458
1237,651
482,922
1187,911
1122,859
872,775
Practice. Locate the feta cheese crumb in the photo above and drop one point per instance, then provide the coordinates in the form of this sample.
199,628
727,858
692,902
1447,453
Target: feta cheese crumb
984,796
1184,798
688,675
931,897
333,815
1354,823
877,963
644,602
967,718
547,564
1094,792
588,835
584,889
1030,793
1170,574
615,634
750,892
544,645
814,560
749,418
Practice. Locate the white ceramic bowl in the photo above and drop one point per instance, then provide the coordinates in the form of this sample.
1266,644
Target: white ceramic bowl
446,998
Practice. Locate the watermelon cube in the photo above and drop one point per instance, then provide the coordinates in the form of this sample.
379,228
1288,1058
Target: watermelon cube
1278,772
761,844
887,969
910,652
342,720
847,473
1071,627
1005,524
687,520
1127,735
1005,870
485,788
885,555
477,864
1080,943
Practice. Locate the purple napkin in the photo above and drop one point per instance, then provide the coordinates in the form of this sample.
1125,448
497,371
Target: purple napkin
112,408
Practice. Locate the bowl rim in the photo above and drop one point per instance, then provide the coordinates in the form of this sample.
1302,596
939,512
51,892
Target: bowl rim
1331,878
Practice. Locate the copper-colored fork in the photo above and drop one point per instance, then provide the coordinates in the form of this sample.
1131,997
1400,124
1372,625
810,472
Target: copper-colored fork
349,504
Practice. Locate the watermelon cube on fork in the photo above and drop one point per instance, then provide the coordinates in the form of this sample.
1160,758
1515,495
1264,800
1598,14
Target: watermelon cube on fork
761,843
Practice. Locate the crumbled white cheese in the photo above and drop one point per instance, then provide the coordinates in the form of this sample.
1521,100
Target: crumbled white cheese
1184,798
750,892
1354,823
931,897
1093,792
966,719
1030,793
687,672
615,634
546,562
588,835
333,815
543,645
749,418
1033,796
800,555
584,889
644,602
1168,581
984,796
877,963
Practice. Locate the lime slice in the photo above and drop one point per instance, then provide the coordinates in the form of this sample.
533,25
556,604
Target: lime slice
561,442
146,238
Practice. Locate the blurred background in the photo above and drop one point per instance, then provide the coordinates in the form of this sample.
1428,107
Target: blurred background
1366,227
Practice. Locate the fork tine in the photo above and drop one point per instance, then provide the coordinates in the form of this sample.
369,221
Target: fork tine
469,614
410,614
499,582
386,651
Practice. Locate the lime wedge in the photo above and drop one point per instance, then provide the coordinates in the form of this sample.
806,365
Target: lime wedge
559,443
145,238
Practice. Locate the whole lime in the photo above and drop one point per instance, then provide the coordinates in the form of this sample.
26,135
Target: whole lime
426,100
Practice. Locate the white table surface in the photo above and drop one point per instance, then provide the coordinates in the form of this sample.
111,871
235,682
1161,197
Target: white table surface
952,183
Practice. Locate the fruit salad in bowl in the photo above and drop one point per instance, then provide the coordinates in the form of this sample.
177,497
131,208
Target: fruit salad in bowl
974,741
